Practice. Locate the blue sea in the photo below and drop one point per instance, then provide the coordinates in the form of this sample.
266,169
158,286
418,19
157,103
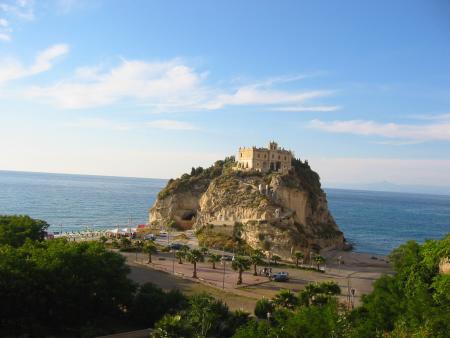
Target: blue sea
375,222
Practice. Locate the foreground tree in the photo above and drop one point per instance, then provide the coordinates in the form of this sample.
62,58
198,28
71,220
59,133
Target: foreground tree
14,230
256,259
57,287
299,256
151,249
194,256
240,264
285,299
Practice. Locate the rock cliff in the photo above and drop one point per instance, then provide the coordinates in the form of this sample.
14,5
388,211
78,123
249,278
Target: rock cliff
282,213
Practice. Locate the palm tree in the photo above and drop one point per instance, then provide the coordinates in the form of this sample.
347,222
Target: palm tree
214,258
276,259
319,260
298,256
150,249
285,299
240,264
204,251
256,259
180,255
193,257
139,245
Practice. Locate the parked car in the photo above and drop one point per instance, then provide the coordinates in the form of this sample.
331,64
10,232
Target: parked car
176,246
163,234
150,237
280,276
227,258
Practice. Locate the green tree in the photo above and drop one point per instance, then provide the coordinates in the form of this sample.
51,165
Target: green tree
214,258
43,286
172,326
180,255
240,264
262,307
151,303
286,299
256,259
103,239
204,250
276,259
299,256
318,259
207,314
14,230
194,256
150,249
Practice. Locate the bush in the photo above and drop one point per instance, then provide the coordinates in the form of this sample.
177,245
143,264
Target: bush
262,307
151,303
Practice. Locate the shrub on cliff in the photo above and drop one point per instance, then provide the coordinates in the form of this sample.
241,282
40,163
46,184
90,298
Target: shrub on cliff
198,176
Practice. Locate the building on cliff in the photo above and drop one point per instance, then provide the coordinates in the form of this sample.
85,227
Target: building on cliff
264,159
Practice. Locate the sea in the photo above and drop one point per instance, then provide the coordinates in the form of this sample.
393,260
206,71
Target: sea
374,222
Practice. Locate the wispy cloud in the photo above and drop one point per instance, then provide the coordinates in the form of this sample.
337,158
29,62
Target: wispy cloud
171,125
166,86
98,123
321,108
154,83
13,69
438,131
14,10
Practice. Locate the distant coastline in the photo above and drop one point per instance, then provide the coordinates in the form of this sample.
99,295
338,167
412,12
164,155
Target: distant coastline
374,187
374,221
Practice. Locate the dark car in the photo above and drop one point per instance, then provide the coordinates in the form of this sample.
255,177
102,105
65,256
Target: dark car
150,237
175,246
227,258
280,277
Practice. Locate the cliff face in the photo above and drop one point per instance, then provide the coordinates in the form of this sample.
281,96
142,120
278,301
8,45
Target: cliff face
286,212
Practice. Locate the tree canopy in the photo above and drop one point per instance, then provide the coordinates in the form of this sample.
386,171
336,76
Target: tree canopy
14,230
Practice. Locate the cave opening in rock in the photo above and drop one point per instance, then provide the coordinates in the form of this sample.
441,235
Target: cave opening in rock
189,215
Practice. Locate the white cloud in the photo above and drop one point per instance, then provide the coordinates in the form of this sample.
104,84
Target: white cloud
321,108
98,123
5,37
171,125
439,131
44,59
154,83
12,69
251,95
166,86
13,10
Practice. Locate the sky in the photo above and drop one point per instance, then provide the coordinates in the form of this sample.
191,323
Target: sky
152,88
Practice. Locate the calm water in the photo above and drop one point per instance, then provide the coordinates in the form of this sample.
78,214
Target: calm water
374,222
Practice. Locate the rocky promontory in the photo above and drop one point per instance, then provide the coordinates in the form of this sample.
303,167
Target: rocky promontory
280,212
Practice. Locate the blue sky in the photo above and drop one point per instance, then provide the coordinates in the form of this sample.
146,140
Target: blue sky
152,88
